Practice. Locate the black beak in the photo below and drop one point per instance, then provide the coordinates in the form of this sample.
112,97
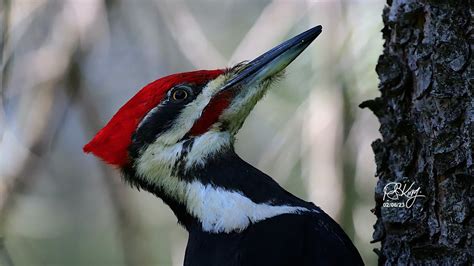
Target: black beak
274,60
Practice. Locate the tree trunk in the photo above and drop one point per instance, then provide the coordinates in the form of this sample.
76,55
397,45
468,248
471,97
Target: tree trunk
426,114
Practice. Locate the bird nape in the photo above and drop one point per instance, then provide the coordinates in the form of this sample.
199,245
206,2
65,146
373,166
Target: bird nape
175,139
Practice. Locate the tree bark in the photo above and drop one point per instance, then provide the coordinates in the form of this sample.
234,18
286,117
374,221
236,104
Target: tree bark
426,114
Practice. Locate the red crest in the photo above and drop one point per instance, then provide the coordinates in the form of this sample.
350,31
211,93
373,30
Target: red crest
112,141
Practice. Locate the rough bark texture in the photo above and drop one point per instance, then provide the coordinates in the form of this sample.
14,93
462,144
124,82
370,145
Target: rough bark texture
426,112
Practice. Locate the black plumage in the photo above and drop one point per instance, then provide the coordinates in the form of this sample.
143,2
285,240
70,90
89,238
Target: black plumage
308,238
287,239
305,238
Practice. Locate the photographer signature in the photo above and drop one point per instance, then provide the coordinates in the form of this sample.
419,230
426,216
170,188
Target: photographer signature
395,191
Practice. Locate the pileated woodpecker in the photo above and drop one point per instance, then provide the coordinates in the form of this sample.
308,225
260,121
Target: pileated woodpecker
175,138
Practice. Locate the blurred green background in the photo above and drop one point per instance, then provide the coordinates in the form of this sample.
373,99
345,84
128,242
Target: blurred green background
68,65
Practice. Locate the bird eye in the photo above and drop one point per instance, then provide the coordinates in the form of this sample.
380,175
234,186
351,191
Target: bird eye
179,95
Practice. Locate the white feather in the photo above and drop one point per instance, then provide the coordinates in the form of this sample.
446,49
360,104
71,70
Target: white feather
207,145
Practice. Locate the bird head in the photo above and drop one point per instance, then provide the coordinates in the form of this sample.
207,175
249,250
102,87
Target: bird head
176,123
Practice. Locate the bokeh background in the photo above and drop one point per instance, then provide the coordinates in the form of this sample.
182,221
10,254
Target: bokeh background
68,65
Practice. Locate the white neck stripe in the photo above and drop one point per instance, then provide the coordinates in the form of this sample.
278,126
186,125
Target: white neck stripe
217,209
223,211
